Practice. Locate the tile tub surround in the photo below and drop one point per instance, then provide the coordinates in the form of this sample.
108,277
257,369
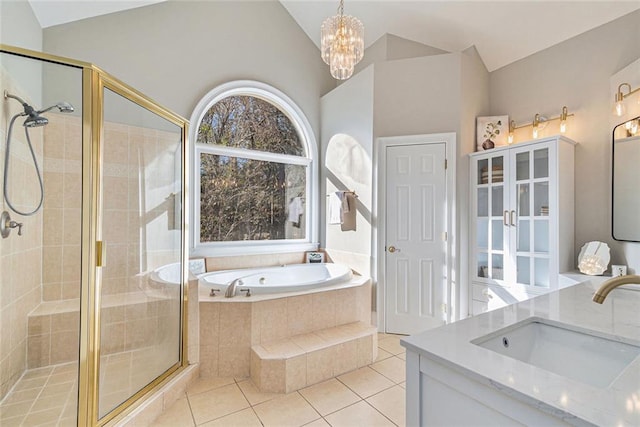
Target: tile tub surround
229,327
570,401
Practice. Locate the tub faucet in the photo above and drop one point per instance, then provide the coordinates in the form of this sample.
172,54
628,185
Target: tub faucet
613,283
231,289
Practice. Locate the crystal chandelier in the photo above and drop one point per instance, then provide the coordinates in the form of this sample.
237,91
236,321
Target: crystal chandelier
342,43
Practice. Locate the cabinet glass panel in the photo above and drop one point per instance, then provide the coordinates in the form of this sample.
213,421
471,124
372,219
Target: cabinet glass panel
497,201
523,200
522,166
482,233
524,270
541,163
541,235
497,242
483,264
541,272
541,199
524,235
497,169
483,201
483,171
497,268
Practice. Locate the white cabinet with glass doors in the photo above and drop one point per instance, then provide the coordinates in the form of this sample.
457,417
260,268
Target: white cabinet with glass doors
522,208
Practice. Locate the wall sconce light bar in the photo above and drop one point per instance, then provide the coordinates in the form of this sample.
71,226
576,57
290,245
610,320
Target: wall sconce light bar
539,122
618,106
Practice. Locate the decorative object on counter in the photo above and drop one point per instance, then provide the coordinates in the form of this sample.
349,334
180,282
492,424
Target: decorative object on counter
618,270
619,107
314,257
342,43
594,258
491,131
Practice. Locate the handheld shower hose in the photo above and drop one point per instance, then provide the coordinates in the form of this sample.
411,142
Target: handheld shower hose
34,119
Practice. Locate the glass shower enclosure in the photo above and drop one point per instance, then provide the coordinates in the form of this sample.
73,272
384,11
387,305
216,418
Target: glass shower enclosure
92,282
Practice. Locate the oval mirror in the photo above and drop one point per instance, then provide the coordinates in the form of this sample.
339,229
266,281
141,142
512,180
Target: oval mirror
626,181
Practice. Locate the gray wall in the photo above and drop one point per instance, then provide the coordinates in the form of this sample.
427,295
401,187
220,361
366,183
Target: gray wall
19,27
175,52
576,73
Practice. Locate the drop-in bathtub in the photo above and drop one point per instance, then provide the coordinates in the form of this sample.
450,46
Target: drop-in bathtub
273,280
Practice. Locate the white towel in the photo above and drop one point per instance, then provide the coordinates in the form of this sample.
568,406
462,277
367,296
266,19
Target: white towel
335,207
295,209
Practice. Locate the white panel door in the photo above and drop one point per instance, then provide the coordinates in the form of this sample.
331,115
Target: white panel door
415,252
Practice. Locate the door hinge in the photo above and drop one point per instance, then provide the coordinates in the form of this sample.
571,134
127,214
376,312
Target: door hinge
444,308
444,236
445,163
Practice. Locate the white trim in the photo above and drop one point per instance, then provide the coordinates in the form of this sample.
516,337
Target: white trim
378,229
298,118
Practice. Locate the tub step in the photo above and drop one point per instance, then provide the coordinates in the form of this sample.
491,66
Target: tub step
303,360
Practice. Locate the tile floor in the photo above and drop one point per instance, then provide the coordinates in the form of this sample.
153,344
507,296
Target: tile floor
44,396
369,396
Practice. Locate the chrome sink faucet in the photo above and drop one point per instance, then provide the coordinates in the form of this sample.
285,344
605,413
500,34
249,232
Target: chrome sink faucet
613,283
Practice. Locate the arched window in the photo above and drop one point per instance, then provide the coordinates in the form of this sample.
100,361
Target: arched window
254,172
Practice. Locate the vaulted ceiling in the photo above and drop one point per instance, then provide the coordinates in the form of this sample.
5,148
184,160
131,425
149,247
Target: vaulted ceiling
502,31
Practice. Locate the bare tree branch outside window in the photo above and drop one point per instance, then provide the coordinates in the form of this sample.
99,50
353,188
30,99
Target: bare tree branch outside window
248,199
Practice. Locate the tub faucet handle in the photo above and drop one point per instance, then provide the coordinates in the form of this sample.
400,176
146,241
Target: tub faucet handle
213,292
248,291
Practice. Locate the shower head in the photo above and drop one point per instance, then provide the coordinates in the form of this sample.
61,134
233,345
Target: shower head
35,120
62,106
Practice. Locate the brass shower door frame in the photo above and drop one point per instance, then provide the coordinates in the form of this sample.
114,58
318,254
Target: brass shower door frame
94,81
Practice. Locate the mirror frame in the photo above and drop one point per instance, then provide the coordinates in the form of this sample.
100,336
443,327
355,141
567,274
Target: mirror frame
613,181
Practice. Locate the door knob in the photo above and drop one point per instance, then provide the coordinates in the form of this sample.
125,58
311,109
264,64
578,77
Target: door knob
393,249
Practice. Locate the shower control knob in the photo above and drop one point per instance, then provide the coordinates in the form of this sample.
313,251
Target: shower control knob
6,224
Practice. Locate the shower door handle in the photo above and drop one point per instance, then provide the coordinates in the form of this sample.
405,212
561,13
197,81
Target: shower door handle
100,254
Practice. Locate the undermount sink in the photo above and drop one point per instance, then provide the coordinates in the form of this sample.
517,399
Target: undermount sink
581,355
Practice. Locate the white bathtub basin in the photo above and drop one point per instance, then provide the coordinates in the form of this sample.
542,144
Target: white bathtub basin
581,355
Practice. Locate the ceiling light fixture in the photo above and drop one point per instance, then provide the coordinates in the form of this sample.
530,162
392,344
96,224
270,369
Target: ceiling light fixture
342,43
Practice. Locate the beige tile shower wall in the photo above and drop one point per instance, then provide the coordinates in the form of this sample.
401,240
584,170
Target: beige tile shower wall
62,208
139,205
20,256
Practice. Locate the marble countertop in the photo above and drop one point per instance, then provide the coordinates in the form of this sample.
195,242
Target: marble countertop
574,402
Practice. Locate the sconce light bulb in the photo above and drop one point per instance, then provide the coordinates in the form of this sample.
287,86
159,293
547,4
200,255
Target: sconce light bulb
619,109
535,132
510,138
563,126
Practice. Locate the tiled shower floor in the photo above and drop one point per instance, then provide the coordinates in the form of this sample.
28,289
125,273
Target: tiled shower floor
43,397
369,396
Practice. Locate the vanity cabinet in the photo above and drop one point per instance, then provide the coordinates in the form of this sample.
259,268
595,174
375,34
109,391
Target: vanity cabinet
522,220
